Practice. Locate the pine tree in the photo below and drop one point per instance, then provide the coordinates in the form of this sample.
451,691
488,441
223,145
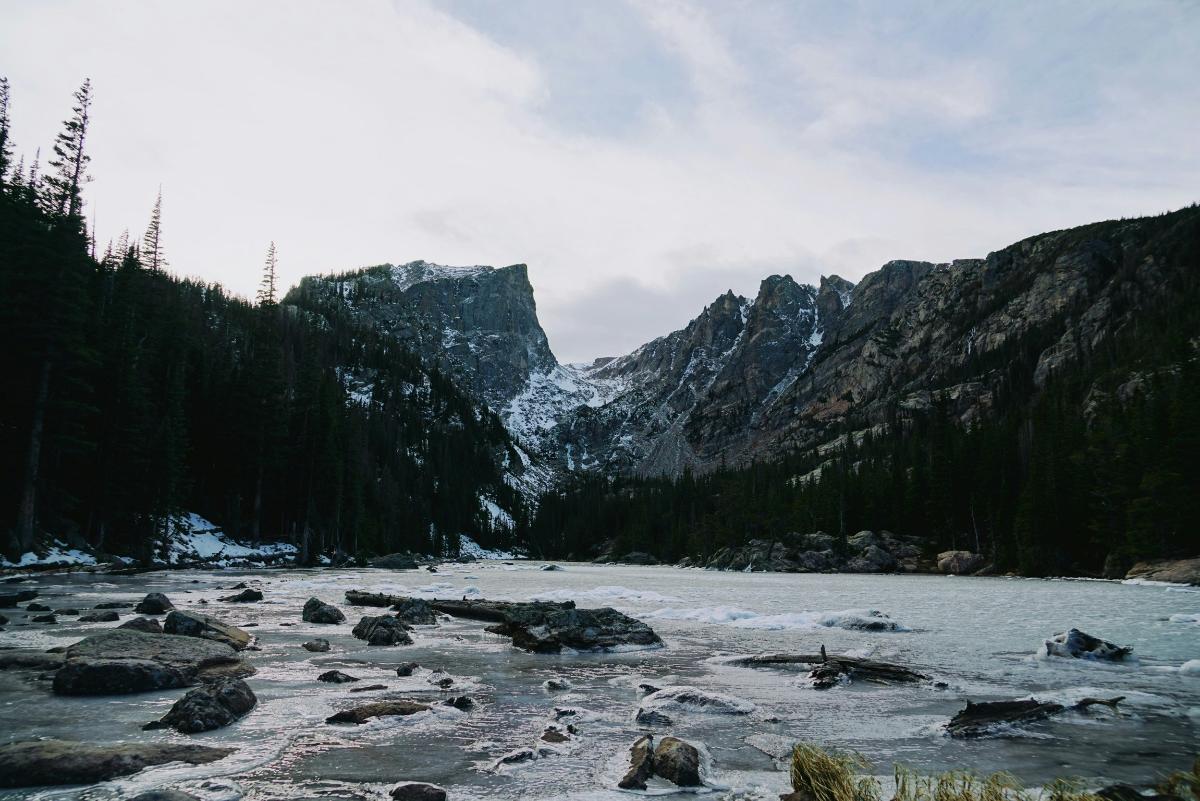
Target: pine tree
5,133
266,289
152,248
64,189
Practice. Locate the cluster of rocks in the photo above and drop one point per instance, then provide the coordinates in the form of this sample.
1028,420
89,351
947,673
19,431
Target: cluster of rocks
672,759
864,552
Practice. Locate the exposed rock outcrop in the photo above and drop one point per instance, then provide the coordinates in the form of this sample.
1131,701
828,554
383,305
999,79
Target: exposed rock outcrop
1078,645
361,714
58,762
382,631
126,661
154,603
317,611
192,624
210,706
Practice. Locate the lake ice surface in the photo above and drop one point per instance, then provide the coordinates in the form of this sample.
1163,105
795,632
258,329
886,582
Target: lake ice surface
979,635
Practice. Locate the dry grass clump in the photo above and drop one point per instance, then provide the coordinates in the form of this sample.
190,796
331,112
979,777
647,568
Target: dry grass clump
820,775
1185,784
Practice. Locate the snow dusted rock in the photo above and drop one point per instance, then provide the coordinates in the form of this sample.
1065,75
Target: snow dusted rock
1078,645
382,631
58,762
317,611
959,563
1190,668
101,616
978,720
154,603
210,707
550,631
691,699
192,624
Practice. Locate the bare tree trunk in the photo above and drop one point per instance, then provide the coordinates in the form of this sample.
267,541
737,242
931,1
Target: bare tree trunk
27,513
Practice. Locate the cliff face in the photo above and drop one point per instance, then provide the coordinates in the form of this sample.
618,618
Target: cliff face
796,366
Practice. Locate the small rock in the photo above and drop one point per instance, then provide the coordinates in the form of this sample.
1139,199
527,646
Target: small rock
418,791
677,762
415,612
406,668
102,616
113,605
67,611
551,567
556,685
361,714
317,646
459,702
382,631
154,603
317,611
36,607
210,707
147,624
368,688
3,620
245,596
336,677
645,688
959,563
1078,645
11,599
44,619
648,717
641,764
554,736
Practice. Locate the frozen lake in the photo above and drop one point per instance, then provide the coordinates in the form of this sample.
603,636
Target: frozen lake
978,635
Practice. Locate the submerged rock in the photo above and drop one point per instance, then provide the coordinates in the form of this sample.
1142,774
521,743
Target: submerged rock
36,607
147,624
59,762
317,611
44,619
692,699
406,668
382,630
336,677
210,707
245,596
678,762
192,624
1078,645
120,661
317,646
166,794
556,685
11,599
102,616
649,717
361,714
154,603
368,688
418,791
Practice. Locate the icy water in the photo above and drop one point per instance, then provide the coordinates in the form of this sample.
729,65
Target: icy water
977,635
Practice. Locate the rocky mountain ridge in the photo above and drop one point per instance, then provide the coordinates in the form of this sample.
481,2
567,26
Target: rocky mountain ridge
797,366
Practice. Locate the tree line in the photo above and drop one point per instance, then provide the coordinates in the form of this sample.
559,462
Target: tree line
134,396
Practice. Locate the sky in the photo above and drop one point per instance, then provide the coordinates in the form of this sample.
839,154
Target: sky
640,157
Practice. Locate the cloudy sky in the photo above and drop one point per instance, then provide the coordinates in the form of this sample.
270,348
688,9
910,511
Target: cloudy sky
640,157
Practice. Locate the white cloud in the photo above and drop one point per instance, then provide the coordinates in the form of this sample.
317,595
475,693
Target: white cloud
353,134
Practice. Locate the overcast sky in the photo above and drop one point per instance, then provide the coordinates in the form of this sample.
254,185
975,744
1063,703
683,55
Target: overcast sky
640,157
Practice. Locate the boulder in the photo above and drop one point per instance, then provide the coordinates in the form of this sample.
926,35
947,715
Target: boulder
641,764
317,646
638,558
154,603
816,561
193,624
336,677
44,619
361,714
648,717
382,630
115,604
3,620
1175,571
36,607
368,688
459,702
58,762
678,762
541,631
862,540
243,597
147,624
211,706
1078,645
958,563
11,599
820,541
406,668
317,611
165,795
556,685
872,559
394,561
695,700
415,612
465,559
101,616
418,791
119,661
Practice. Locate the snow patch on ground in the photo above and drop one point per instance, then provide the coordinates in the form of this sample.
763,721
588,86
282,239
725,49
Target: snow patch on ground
850,619
196,539
59,553
499,517
469,547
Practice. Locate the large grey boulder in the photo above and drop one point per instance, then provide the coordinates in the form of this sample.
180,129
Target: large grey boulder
382,630
119,661
958,563
317,611
210,706
58,762
192,624
154,603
